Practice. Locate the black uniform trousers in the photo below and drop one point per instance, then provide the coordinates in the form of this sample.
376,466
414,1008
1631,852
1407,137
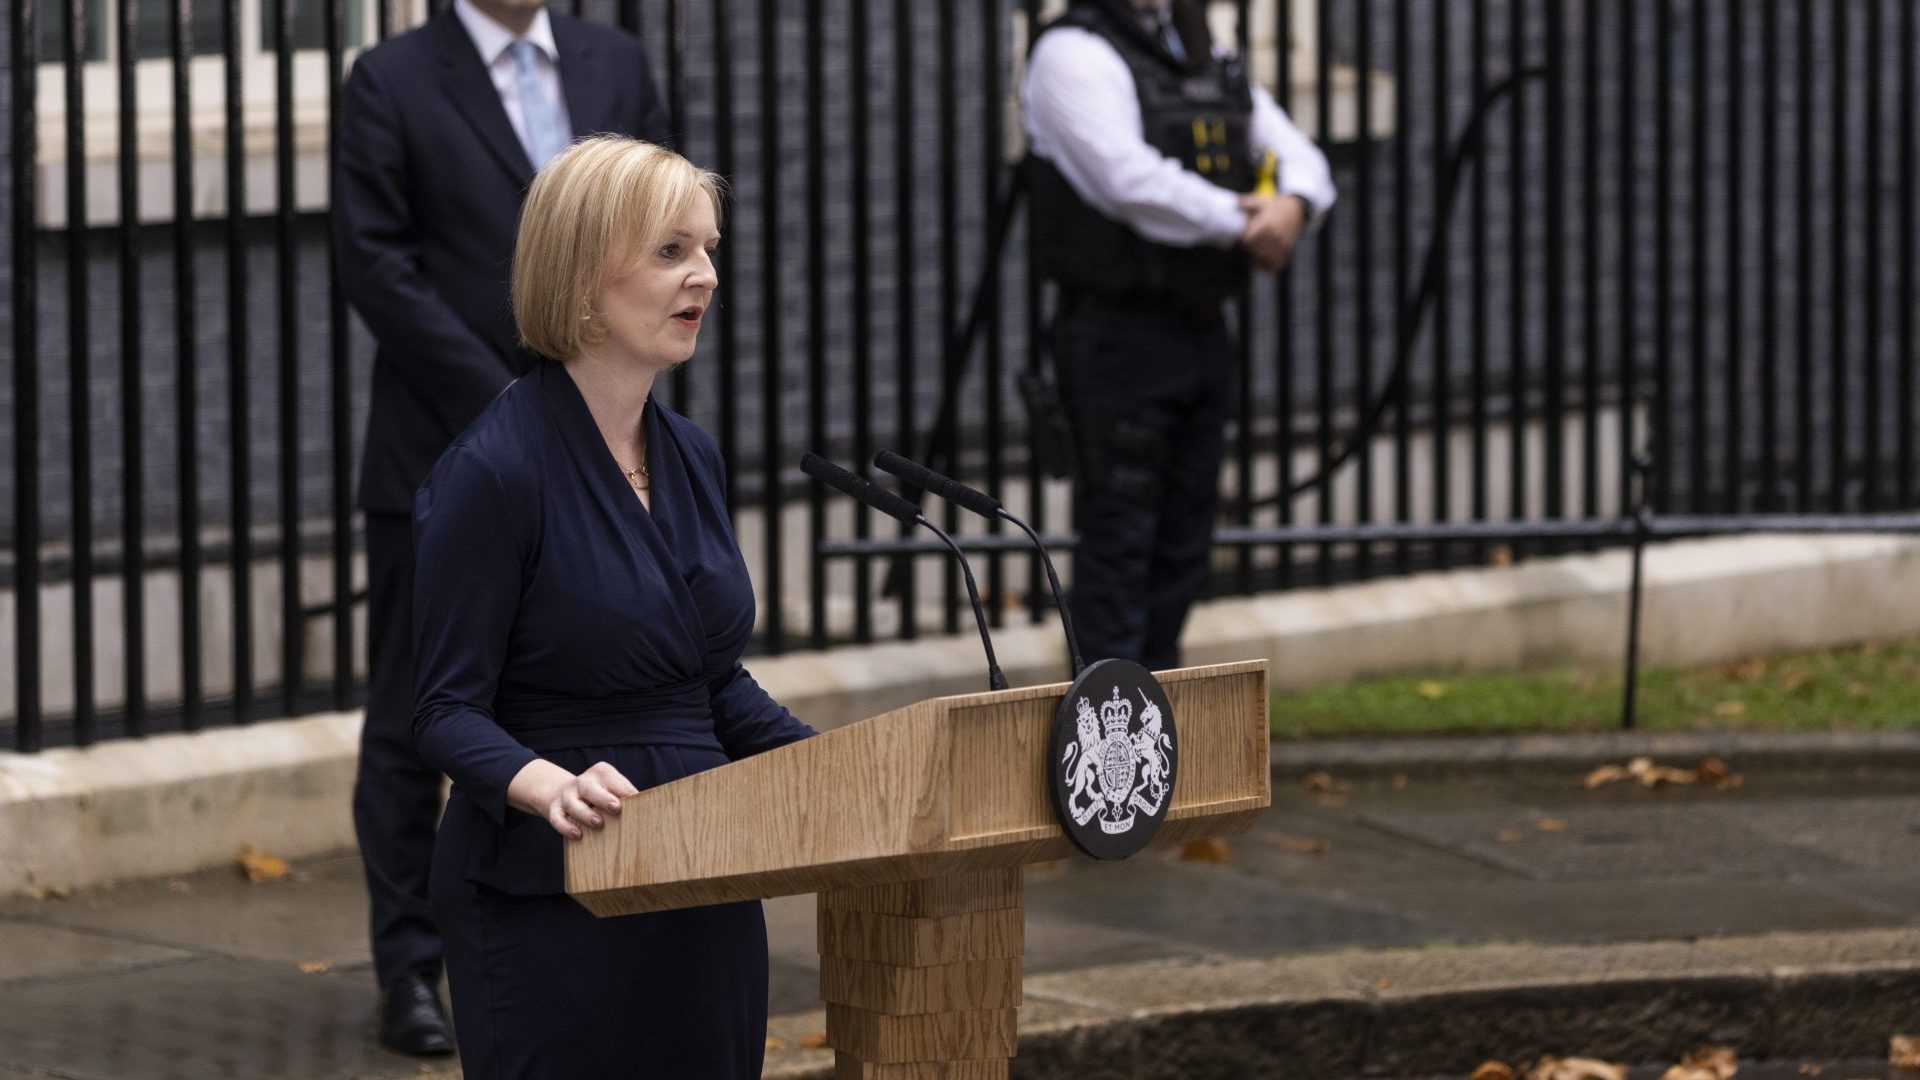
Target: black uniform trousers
396,797
1146,392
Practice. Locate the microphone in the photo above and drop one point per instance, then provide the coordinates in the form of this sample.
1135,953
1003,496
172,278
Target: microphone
892,505
988,507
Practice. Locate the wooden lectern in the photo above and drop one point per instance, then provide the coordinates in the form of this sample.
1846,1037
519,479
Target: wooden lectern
913,827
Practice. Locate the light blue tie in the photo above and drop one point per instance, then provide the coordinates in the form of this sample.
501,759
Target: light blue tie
546,133
1172,37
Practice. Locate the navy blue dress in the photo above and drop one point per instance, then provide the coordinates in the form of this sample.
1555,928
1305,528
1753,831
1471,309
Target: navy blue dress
557,617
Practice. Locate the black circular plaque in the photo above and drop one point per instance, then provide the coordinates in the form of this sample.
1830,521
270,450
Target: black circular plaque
1112,760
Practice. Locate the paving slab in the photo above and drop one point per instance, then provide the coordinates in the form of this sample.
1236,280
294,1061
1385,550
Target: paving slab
1326,849
1606,842
793,957
1894,893
36,951
1613,910
1870,833
1216,908
1058,941
198,1020
1132,989
317,915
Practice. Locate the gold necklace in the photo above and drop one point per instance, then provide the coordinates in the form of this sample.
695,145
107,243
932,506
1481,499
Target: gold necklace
638,475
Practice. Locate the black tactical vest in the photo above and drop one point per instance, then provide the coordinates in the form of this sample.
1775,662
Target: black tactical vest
1198,112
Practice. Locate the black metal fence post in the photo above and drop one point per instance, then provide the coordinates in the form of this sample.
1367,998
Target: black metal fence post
79,373
1642,526
25,136
133,639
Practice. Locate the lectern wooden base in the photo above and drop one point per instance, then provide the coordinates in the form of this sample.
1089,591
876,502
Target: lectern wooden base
922,978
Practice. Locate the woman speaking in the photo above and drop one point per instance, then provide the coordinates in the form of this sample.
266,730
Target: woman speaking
580,606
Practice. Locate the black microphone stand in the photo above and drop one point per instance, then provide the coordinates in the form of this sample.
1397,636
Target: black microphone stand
892,505
986,506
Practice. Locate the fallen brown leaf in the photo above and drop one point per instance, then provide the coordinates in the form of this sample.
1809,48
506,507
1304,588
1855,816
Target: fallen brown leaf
1710,770
1511,836
1651,775
1302,845
1399,781
814,1041
1500,555
1661,774
1810,1069
1211,850
1576,1069
1492,1070
1550,824
1730,708
261,867
1333,800
1746,670
1903,1052
1705,1063
1320,781
1795,681
50,892
315,967
1604,775
775,1043
1383,983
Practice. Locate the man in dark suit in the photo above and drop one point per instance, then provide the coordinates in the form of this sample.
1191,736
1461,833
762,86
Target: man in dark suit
440,133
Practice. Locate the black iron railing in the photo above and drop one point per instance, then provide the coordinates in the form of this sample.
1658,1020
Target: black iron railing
1570,231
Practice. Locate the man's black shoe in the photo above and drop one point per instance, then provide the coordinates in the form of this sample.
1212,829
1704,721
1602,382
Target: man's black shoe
411,1019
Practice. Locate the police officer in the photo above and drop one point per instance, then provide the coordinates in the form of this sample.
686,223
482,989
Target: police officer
1159,175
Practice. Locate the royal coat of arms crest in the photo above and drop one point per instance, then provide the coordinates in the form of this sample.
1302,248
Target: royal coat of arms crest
1119,766
1114,753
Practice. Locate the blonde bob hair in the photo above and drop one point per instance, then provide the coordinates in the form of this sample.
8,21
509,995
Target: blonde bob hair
592,213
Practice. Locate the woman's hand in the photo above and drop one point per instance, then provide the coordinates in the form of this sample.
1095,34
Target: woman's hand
568,801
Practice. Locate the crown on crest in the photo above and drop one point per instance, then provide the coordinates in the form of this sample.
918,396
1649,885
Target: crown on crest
1116,714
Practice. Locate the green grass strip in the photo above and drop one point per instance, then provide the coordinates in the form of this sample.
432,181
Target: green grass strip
1867,688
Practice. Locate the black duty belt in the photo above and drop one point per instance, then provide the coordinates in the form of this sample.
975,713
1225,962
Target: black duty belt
1181,309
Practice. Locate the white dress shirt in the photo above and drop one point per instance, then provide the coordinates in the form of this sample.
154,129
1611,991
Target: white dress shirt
1082,114
492,40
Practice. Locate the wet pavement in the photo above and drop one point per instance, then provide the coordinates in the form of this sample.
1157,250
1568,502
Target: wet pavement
209,976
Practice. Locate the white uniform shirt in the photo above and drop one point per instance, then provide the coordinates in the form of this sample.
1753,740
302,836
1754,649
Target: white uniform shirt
1082,114
492,40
